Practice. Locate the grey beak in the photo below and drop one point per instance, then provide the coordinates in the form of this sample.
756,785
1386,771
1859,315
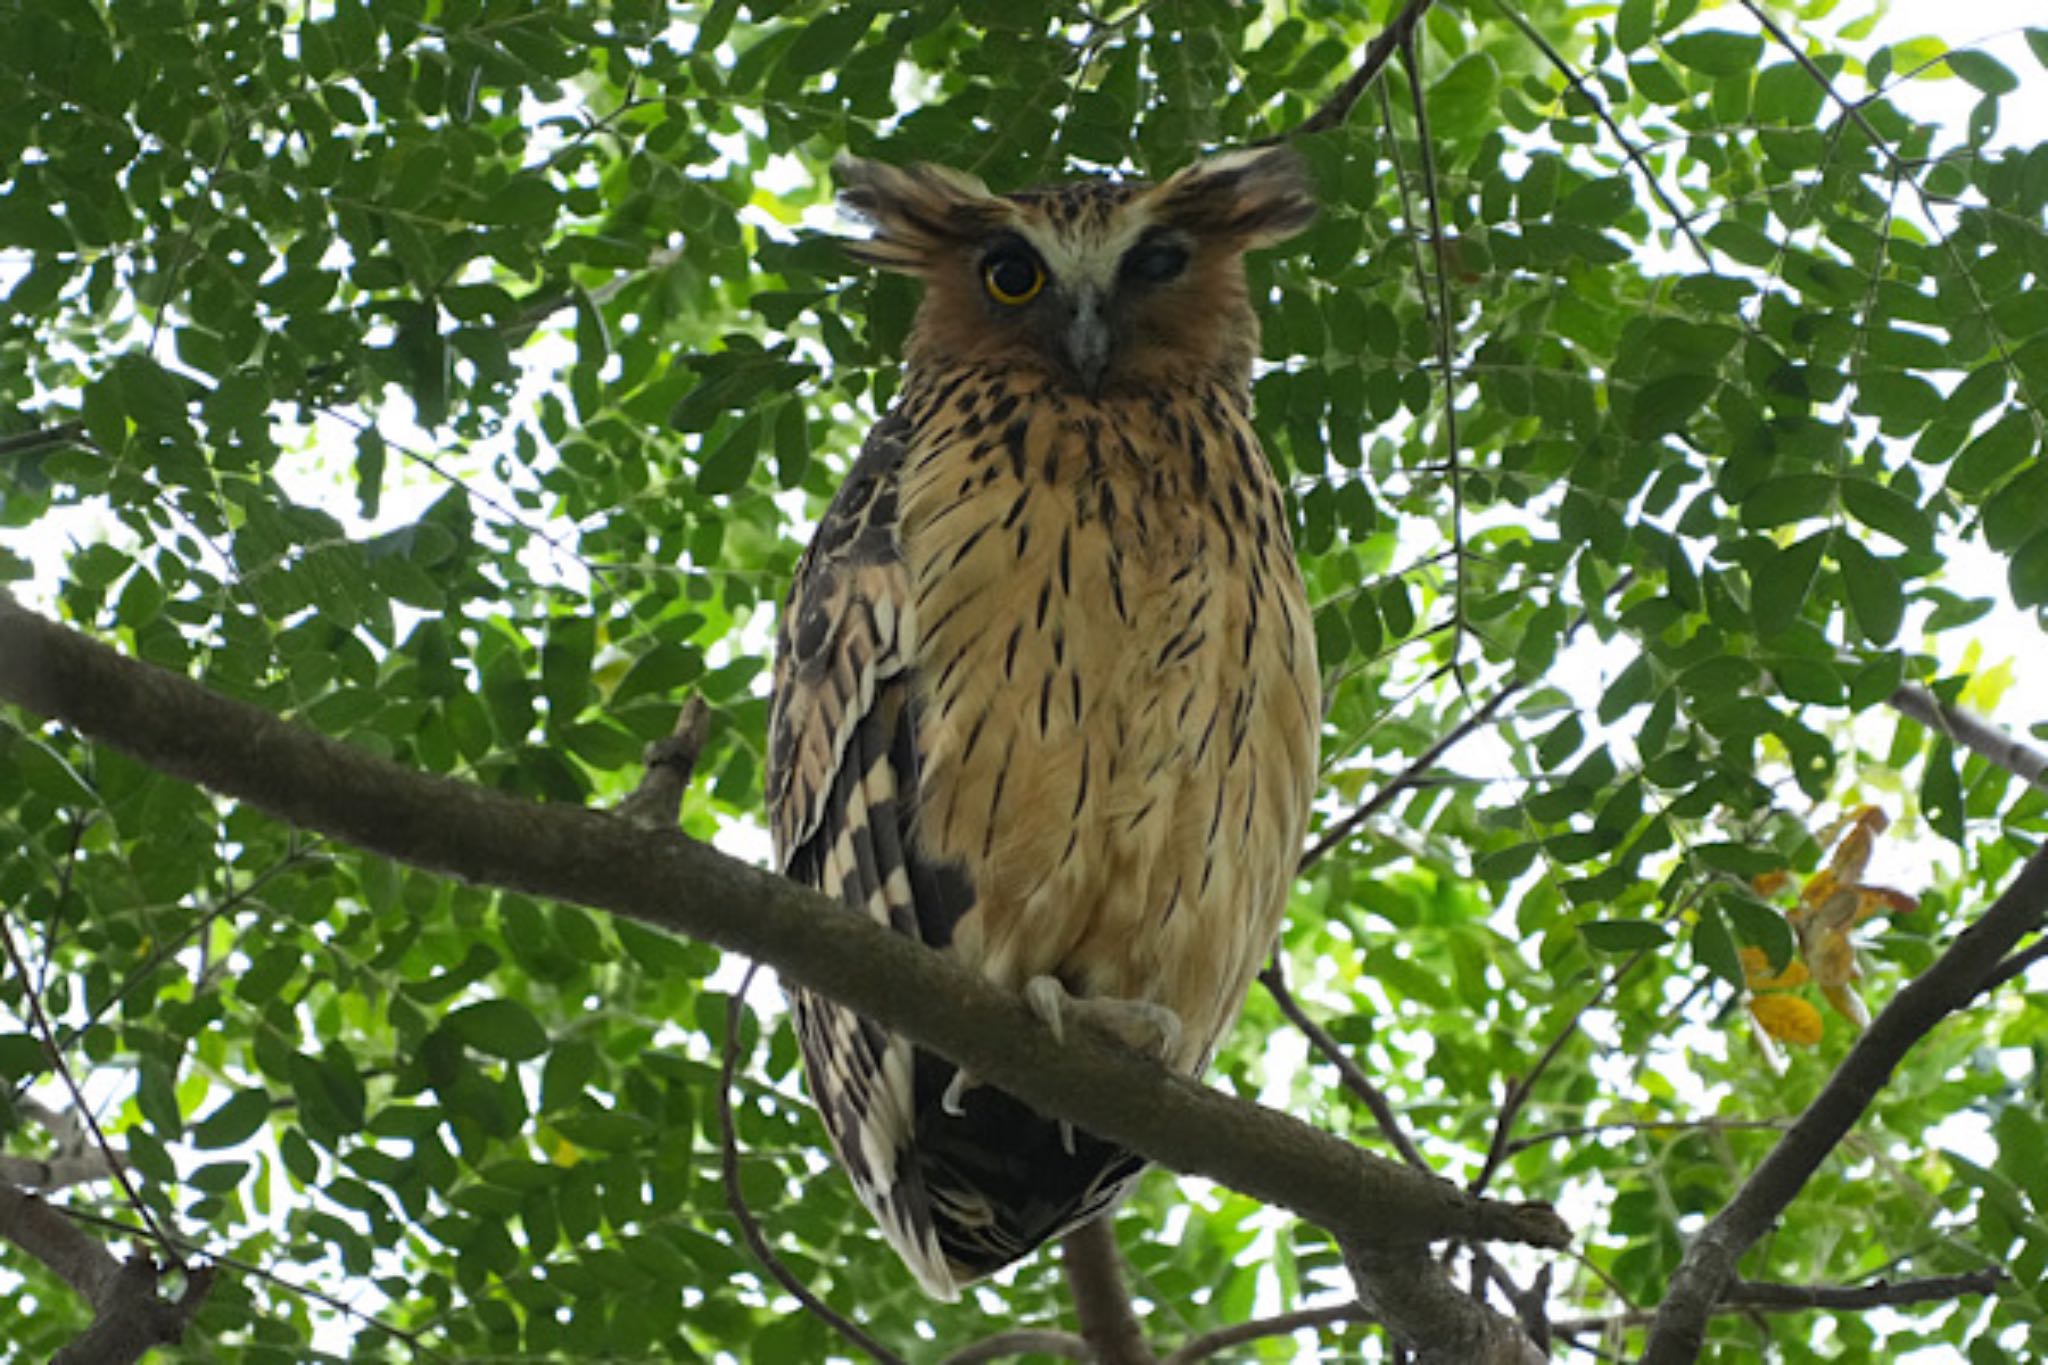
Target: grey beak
1087,340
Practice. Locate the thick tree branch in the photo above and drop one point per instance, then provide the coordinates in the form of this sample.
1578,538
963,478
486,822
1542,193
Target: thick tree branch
1407,1290
128,1316
1095,1281
678,885
1953,982
1977,735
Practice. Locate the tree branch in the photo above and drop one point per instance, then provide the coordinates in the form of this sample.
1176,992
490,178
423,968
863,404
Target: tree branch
1763,1296
1977,735
736,1199
1350,1073
1095,1281
1407,1291
1953,982
675,884
1065,1345
1337,107
128,1316
1259,1329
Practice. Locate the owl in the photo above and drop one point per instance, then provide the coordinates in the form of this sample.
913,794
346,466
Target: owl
1045,689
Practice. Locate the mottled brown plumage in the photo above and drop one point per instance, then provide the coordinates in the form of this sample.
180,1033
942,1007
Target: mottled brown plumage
1046,694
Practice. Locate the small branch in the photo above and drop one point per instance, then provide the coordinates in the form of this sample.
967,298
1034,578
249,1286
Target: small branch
1954,981
1520,1088
1759,1296
1337,107
736,1201
2015,965
1002,1345
1259,1329
1585,91
1977,735
677,885
671,763
23,442
47,1036
1796,1298
1336,834
1349,1072
1095,1281
1709,1125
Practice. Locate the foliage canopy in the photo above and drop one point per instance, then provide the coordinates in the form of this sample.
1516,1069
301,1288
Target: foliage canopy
460,378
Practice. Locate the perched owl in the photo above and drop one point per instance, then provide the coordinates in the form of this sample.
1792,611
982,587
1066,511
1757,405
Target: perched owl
1045,688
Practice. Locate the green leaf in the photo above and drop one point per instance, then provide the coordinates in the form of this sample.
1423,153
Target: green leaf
727,469
1875,597
823,42
2028,573
1983,71
1635,23
1941,792
1624,935
1713,947
234,1122
500,1028
1716,52
1993,455
2037,39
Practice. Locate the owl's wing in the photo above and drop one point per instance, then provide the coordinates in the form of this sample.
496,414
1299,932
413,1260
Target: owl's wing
842,791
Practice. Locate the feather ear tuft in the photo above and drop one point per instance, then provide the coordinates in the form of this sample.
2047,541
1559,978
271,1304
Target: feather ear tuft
917,212
1255,196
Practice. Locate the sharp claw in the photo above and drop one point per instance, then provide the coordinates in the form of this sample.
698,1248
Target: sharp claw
1067,1136
956,1092
1048,1000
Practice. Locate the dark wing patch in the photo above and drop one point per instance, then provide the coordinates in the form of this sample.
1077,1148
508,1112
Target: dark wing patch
959,1196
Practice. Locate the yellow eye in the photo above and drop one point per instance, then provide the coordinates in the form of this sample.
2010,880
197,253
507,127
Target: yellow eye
1013,277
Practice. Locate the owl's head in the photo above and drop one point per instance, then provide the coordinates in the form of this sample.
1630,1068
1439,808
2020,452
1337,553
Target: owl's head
1101,285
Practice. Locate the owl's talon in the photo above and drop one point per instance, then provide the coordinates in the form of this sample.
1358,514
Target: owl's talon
953,1102
1067,1136
1141,1025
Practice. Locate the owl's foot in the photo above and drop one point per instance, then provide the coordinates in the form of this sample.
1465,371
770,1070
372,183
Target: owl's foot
1143,1025
953,1102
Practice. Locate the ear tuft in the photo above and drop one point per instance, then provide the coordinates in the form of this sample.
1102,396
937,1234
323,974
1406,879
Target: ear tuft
917,212
1254,197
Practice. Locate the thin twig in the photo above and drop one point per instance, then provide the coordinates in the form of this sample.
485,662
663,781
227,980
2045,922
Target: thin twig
1708,1124
1259,1329
1585,91
64,433
1349,1072
2015,965
1335,834
736,1201
48,1038
1446,362
1762,1296
1102,1306
1520,1088
1337,107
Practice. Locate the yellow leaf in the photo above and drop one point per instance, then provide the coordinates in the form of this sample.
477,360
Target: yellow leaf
1756,970
1788,1018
